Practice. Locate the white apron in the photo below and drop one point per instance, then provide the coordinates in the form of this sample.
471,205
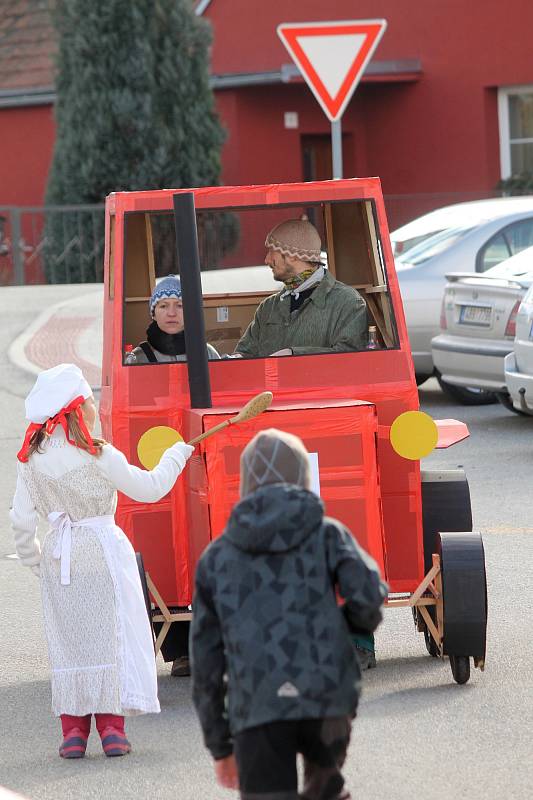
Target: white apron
101,651
96,624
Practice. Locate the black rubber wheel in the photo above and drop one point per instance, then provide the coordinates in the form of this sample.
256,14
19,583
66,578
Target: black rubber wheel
464,596
445,507
431,645
421,626
460,668
467,395
507,403
144,584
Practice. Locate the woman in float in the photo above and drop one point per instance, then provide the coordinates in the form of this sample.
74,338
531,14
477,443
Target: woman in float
99,639
165,336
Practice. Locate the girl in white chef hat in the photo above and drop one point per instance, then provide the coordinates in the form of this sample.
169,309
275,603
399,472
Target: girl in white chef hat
98,633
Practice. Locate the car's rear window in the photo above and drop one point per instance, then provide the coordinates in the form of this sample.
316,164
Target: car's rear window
401,246
433,246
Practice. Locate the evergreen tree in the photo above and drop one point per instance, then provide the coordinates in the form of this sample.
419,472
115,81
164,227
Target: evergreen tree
134,111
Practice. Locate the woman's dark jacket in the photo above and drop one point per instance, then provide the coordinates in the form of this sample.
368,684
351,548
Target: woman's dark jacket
266,618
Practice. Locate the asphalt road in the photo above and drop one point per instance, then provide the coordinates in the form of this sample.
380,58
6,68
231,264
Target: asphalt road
418,734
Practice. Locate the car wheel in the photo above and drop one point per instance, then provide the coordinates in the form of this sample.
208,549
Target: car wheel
505,400
467,395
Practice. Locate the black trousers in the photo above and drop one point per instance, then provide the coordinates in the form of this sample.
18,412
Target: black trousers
266,759
176,642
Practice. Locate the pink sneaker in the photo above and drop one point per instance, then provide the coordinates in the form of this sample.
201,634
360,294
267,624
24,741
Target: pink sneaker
114,742
74,744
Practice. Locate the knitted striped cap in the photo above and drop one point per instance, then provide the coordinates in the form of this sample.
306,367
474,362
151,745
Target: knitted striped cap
274,456
296,238
168,287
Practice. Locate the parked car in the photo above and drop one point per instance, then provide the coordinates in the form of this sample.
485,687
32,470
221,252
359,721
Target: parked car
482,235
453,216
478,322
518,364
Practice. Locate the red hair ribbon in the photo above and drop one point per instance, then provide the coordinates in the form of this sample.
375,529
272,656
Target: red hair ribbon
51,424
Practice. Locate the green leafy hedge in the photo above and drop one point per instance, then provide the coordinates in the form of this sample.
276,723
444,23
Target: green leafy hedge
517,184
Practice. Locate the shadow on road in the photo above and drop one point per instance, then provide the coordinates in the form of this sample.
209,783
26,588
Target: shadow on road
31,736
402,687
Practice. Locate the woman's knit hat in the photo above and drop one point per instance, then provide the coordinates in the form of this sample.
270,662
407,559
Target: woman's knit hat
274,456
296,238
167,287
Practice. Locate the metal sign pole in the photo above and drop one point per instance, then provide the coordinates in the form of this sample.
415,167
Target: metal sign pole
336,147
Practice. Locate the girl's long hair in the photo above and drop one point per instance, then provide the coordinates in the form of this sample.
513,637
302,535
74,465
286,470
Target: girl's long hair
39,437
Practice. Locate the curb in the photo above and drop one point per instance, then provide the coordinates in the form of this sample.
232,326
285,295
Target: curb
17,352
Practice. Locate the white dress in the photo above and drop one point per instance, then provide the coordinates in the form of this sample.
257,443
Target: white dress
96,625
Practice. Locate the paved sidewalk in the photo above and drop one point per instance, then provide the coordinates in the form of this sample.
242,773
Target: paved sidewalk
68,331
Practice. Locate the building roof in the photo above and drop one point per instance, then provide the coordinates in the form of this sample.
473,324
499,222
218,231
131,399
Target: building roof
27,46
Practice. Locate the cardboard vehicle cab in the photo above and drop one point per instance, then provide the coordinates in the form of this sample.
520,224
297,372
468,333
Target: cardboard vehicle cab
416,524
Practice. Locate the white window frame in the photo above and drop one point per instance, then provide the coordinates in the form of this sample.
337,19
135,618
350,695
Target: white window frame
503,121
201,7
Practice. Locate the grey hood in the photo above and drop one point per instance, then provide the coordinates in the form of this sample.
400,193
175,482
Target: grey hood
274,519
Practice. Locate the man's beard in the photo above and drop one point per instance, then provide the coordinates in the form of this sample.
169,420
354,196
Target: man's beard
283,273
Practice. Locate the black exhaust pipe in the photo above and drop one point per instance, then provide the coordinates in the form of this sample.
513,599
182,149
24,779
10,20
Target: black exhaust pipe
193,311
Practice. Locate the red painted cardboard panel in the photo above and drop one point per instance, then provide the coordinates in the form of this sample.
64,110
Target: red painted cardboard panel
150,532
403,550
343,437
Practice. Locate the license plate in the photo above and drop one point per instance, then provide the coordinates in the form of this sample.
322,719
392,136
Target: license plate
475,315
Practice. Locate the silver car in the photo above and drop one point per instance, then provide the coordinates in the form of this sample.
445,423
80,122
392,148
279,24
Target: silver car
518,364
478,319
453,216
490,231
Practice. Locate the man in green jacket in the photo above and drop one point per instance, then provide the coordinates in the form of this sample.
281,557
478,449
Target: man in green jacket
314,313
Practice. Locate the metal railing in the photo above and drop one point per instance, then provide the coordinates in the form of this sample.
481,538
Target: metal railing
51,244
65,244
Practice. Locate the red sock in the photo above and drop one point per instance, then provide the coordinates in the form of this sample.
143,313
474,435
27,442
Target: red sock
68,722
105,720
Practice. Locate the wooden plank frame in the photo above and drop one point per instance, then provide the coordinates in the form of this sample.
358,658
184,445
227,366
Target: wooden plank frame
139,256
139,280
431,584
330,239
165,616
338,222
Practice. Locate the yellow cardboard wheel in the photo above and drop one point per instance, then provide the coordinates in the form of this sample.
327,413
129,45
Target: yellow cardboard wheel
413,435
153,444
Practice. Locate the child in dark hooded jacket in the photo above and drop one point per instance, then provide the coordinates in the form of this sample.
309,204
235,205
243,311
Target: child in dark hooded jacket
274,669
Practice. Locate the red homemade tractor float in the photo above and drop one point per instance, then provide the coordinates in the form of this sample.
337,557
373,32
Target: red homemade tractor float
349,408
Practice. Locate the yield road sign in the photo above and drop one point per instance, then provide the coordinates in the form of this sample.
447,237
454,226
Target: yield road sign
332,57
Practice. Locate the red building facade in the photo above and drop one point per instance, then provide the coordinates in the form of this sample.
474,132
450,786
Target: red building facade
445,107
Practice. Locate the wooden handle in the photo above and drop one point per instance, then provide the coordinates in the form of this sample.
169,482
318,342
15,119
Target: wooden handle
210,432
252,409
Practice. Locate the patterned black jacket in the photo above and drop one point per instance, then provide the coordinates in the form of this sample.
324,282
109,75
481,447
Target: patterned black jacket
268,641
